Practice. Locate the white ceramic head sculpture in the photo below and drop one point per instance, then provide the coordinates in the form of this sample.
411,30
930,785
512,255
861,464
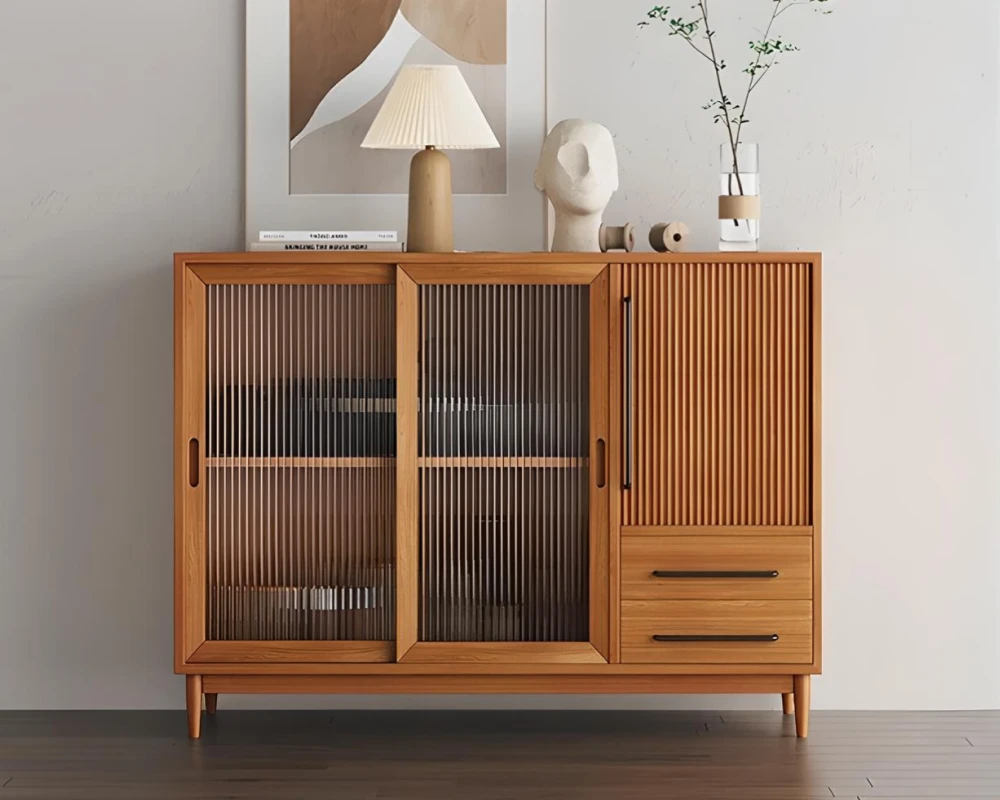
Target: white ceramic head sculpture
578,171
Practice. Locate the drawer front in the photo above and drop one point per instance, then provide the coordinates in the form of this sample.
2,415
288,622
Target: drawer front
716,567
717,631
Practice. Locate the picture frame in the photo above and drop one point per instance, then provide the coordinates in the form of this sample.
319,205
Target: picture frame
511,221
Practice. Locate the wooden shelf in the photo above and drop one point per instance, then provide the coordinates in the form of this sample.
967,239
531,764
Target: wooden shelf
270,462
374,462
501,462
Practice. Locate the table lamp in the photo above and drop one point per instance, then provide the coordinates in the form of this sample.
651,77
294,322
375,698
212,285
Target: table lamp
430,108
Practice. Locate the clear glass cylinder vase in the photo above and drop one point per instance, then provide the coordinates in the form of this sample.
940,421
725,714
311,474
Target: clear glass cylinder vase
739,198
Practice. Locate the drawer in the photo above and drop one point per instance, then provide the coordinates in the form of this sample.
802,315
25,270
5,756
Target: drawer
716,631
716,567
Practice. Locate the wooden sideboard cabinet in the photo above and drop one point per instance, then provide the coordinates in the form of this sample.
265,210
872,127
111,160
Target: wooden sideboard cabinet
493,472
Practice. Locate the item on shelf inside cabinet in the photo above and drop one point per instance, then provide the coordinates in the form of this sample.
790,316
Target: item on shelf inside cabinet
476,428
306,417
621,237
578,171
430,108
669,237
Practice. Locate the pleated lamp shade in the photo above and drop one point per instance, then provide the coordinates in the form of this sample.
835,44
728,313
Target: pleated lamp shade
430,106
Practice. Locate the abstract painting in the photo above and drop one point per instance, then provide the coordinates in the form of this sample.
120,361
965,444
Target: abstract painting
344,56
317,72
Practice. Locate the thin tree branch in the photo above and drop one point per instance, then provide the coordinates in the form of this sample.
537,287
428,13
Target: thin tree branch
791,5
703,5
751,84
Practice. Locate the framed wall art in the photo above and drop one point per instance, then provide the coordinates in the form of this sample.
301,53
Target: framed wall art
317,72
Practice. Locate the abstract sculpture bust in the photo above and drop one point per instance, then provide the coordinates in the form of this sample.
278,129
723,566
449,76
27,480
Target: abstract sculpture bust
578,171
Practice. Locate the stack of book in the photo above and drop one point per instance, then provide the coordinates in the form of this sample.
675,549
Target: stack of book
328,240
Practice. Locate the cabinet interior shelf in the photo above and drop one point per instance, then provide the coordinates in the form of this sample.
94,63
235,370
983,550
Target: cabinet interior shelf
376,462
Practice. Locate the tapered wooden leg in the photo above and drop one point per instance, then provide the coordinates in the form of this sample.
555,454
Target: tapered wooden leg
194,705
787,703
211,702
802,686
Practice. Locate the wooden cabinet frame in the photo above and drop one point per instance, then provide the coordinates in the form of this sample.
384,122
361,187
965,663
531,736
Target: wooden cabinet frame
405,664
408,648
192,648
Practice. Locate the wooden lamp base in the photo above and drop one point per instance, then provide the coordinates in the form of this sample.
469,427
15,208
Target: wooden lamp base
430,227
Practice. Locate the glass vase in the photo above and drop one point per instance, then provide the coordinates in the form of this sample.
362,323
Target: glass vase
739,199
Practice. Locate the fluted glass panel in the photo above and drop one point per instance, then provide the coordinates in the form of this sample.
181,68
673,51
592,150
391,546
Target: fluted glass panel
301,462
503,437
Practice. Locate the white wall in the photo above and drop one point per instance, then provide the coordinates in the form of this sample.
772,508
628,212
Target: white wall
121,141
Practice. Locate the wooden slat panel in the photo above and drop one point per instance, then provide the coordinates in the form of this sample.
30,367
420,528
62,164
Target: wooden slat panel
723,392
718,530
789,556
790,619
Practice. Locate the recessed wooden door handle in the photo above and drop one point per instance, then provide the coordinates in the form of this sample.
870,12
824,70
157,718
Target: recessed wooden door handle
753,637
193,463
601,467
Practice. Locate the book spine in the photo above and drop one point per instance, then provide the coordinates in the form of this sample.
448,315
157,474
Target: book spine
328,246
329,236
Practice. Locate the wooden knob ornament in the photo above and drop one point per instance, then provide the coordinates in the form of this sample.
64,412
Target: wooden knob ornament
617,237
669,237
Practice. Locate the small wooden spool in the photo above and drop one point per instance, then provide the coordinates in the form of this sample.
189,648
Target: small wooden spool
669,237
617,237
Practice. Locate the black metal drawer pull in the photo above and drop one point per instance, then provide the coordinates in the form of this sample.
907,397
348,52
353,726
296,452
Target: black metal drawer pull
765,574
764,637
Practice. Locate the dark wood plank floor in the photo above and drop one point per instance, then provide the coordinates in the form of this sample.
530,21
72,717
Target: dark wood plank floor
414,755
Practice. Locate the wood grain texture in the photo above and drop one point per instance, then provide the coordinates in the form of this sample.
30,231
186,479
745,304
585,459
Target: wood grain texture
297,652
718,530
539,261
193,691
473,271
404,667
802,684
189,501
281,272
817,458
723,387
407,480
503,653
789,556
497,684
791,620
600,545
458,755
616,399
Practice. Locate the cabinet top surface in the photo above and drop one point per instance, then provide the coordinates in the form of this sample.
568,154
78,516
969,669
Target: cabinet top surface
475,258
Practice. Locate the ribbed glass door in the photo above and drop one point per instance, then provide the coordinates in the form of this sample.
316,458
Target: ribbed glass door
300,462
503,463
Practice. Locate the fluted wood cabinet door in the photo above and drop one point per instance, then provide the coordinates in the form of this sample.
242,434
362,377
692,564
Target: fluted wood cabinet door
503,520
718,401
286,454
